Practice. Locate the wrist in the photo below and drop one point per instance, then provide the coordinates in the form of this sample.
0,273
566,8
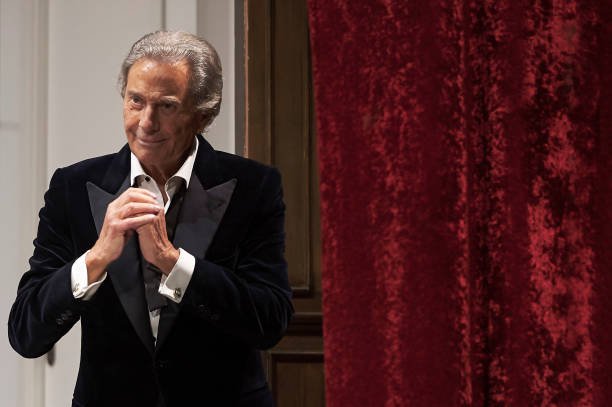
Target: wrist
167,259
95,266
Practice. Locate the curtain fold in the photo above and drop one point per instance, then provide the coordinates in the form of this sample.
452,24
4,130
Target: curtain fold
465,165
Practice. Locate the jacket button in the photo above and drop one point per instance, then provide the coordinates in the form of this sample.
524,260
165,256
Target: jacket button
59,321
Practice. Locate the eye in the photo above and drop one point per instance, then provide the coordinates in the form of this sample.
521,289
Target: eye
135,100
168,107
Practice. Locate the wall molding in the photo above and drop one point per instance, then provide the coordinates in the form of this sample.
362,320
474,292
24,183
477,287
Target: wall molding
34,153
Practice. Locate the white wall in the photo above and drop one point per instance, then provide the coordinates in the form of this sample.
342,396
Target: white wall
22,168
216,24
87,42
70,112
11,131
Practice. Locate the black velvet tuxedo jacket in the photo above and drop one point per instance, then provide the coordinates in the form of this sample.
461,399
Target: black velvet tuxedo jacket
238,300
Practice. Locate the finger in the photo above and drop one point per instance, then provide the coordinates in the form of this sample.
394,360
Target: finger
132,209
146,228
140,195
136,195
136,222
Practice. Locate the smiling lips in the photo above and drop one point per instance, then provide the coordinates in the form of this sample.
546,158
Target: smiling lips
147,140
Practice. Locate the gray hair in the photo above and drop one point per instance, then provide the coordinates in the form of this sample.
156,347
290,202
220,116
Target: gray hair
206,81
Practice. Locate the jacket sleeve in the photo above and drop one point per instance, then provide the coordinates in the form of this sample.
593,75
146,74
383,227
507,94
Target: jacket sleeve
45,308
251,299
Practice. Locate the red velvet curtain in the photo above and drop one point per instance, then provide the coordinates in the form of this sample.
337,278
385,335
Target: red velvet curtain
465,161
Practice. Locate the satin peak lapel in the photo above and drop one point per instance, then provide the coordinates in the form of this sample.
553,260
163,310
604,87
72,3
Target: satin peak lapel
201,214
125,271
198,221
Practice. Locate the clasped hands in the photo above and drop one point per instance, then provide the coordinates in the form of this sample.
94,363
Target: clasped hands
135,211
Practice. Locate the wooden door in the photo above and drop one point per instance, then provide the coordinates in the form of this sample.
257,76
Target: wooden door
279,130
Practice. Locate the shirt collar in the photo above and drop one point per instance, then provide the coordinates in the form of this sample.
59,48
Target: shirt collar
184,172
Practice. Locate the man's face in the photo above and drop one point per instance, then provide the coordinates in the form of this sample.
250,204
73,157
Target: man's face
159,118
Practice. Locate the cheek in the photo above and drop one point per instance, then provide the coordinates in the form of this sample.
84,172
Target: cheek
189,127
130,120
175,128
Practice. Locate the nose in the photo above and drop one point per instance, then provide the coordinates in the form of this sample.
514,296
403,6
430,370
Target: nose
149,121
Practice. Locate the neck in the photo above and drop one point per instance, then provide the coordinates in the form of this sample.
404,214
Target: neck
162,173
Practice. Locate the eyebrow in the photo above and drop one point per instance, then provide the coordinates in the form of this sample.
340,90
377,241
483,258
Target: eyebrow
163,99
169,99
132,93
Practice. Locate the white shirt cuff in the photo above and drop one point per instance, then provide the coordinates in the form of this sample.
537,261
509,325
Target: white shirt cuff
175,284
78,280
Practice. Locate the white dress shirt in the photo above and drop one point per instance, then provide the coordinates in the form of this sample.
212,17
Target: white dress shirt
175,283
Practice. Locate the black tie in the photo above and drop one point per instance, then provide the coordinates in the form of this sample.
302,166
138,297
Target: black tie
150,273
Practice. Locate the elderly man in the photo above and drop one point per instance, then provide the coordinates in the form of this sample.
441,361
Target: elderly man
170,253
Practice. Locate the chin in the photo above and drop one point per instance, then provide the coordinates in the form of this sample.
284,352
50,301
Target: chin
145,155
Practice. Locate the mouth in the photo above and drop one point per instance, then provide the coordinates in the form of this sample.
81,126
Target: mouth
150,141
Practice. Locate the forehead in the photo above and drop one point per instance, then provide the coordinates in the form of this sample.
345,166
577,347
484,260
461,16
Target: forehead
149,76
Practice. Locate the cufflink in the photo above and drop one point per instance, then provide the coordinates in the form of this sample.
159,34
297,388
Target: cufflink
76,287
177,293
